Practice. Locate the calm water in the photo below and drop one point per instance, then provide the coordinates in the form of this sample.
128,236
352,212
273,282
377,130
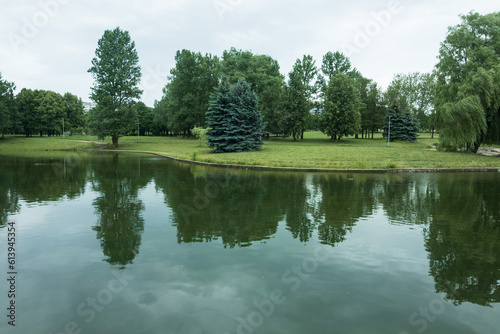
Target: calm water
136,244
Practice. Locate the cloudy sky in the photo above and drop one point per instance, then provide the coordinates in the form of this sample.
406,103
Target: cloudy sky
49,44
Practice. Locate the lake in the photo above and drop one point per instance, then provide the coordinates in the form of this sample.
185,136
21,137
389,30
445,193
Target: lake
125,243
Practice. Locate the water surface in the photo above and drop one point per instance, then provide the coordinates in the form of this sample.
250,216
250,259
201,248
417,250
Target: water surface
117,243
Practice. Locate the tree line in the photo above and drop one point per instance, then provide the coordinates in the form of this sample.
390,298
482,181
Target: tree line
290,107
460,98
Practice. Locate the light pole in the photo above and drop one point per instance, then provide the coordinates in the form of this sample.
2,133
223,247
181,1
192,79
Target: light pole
63,127
389,137
138,130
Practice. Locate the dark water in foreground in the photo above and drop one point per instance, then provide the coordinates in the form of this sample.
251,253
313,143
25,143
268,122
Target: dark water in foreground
137,244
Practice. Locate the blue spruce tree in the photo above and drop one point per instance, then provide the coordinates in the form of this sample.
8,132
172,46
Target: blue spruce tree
235,121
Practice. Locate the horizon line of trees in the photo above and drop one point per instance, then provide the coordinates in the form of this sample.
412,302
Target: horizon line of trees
288,107
461,97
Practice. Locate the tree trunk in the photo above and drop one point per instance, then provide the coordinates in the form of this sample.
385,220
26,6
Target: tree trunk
476,146
115,141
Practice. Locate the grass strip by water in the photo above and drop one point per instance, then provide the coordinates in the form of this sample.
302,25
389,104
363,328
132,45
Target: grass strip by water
315,151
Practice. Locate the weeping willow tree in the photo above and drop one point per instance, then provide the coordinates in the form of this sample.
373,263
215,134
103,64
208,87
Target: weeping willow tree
463,123
468,83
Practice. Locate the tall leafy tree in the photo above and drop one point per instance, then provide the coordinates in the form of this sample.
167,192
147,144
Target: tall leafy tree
334,63
468,83
193,79
160,115
414,91
262,73
116,73
26,103
374,110
341,112
145,117
50,110
298,97
234,118
8,111
74,115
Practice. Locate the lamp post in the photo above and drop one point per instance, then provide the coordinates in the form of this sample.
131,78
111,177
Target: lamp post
389,136
63,127
138,130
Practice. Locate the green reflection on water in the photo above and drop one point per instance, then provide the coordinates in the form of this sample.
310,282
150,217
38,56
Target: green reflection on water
243,211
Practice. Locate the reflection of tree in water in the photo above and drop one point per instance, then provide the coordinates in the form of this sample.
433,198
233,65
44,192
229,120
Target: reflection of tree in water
40,179
208,205
50,179
298,199
9,198
120,223
408,199
463,239
345,199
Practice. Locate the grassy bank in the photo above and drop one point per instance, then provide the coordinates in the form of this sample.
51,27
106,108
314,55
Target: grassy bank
315,151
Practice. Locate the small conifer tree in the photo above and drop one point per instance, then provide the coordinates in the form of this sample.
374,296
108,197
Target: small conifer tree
403,126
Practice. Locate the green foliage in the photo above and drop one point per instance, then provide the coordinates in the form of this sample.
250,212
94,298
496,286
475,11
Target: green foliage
463,122
74,116
194,155
43,111
373,111
145,116
298,98
8,112
234,119
116,73
160,116
262,73
104,122
413,91
335,63
469,71
200,134
186,97
341,113
403,126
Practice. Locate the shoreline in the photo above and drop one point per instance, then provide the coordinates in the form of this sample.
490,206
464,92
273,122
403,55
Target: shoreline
317,170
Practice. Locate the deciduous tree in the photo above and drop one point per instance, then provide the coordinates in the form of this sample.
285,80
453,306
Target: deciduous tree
116,72
298,97
341,113
468,83
262,73
8,111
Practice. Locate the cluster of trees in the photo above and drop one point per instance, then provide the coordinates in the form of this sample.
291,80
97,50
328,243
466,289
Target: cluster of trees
9,118
39,111
461,98
309,100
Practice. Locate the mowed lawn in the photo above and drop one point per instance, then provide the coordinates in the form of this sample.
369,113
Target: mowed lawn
315,151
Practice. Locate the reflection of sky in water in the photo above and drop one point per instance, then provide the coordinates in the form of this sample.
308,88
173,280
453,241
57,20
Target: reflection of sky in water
374,280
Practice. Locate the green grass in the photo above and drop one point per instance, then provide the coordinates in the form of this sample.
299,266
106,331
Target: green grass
315,151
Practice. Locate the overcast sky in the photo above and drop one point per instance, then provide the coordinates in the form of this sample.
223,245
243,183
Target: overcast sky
49,44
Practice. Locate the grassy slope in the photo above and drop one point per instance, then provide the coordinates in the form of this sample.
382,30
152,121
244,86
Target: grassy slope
316,151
